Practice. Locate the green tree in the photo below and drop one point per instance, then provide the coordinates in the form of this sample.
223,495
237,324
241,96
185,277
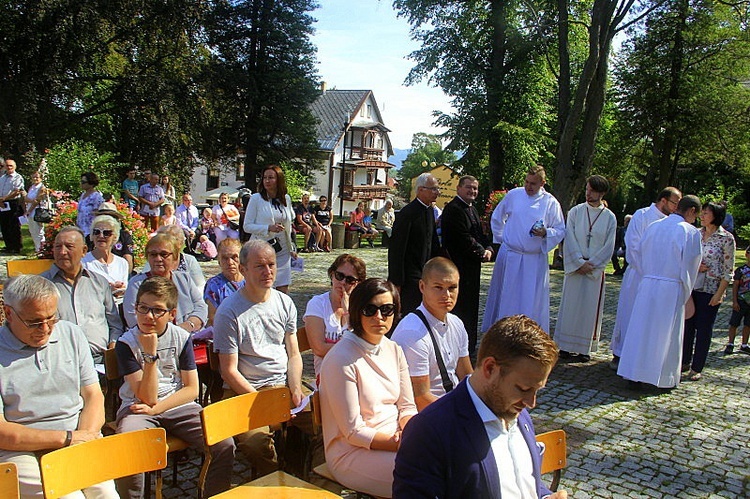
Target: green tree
263,77
489,56
426,152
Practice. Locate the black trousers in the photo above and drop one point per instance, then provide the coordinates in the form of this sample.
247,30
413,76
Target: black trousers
11,228
698,332
467,304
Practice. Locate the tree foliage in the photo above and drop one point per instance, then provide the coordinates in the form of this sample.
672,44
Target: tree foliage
426,152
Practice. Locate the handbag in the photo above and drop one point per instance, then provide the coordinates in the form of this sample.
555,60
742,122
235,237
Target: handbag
42,215
275,244
233,225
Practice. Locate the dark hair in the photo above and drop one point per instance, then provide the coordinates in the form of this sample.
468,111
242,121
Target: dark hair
361,296
598,183
360,267
281,190
718,210
688,202
466,178
91,178
515,337
162,288
667,193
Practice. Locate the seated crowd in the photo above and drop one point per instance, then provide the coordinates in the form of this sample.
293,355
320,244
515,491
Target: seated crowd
383,401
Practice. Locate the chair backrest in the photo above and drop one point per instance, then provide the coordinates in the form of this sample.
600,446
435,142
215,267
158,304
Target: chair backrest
36,266
235,415
555,454
304,344
9,481
111,368
82,465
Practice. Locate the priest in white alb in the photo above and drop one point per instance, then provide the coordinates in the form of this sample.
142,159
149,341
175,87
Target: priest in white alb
664,205
589,243
671,255
528,223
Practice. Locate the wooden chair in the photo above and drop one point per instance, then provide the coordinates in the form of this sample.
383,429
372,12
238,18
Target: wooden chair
78,466
174,444
554,458
35,266
237,415
9,481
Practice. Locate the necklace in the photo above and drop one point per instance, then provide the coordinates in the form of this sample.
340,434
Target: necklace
591,224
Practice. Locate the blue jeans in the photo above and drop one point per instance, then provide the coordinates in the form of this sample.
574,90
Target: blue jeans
698,331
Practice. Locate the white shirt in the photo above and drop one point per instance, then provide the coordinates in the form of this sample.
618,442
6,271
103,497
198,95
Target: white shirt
452,340
510,451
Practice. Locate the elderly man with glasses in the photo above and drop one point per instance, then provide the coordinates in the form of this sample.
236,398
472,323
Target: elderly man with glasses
414,240
49,391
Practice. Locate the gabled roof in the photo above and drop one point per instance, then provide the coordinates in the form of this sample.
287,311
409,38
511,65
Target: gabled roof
333,106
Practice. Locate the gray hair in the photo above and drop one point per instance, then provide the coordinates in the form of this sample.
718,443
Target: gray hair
110,222
252,247
422,180
173,231
72,228
27,288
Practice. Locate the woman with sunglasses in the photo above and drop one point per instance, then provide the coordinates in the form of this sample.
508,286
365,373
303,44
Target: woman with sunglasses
365,393
327,315
162,253
104,235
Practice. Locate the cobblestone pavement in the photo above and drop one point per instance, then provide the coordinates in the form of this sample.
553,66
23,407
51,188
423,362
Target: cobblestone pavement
688,442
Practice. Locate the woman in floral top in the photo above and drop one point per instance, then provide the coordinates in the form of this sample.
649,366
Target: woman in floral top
88,203
714,276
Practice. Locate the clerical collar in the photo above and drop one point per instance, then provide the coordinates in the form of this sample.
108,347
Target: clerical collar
462,199
425,205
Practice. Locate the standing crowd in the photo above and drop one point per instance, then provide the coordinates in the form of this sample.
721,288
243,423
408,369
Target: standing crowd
405,413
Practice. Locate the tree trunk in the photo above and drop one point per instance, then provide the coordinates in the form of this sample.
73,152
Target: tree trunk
494,82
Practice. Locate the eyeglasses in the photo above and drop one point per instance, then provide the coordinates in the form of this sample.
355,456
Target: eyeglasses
102,232
163,255
340,276
37,325
386,310
433,189
155,312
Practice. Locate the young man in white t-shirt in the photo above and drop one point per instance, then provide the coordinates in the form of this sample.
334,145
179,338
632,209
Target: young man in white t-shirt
439,288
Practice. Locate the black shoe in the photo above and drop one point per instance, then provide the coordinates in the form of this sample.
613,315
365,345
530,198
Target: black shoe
745,349
581,359
729,350
565,355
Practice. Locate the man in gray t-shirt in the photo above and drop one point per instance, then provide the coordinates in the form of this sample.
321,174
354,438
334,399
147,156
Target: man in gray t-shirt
255,335
49,391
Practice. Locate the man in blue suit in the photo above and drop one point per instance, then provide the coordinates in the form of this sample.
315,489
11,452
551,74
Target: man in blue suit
478,440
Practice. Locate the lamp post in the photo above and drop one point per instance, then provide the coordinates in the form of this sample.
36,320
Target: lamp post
343,167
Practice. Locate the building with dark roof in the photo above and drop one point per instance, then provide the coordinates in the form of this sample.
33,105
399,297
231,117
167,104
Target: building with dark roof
354,146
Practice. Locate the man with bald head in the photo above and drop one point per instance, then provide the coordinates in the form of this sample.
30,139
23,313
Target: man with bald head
85,297
11,197
414,240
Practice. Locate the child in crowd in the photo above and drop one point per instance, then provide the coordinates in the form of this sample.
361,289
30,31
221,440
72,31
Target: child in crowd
205,249
740,306
370,232
168,218
161,383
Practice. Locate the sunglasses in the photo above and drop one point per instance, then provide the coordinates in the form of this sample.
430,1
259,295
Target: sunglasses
386,310
340,276
102,232
144,310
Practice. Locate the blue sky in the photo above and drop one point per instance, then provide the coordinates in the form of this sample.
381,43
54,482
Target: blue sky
362,45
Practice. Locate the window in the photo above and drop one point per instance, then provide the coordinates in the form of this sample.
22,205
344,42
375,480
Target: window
369,111
362,112
212,179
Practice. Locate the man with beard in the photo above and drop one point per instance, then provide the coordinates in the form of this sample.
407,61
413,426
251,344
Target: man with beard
478,441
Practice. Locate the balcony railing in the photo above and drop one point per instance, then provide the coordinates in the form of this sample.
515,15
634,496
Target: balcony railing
356,192
365,153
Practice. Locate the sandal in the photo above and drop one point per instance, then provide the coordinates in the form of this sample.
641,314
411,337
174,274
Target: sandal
693,376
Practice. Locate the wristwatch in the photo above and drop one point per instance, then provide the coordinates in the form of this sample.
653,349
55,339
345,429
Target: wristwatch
148,358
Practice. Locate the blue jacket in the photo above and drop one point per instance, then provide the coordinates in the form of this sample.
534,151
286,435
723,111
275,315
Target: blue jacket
445,452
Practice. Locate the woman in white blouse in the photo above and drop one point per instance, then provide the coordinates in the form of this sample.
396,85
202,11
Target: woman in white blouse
101,260
36,196
269,216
